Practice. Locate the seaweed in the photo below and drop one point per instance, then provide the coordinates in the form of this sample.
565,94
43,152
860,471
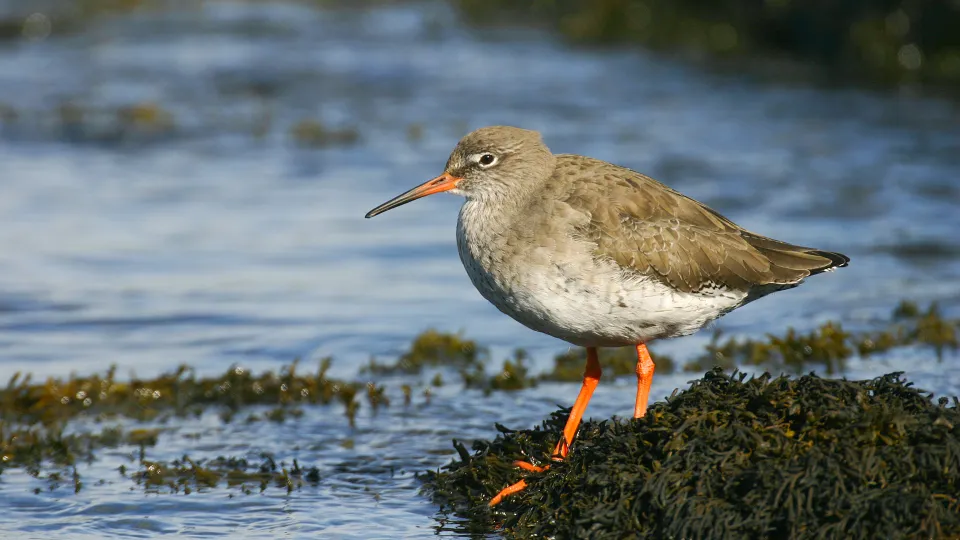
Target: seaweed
432,348
186,475
311,133
178,393
36,417
829,345
616,362
514,375
874,41
731,457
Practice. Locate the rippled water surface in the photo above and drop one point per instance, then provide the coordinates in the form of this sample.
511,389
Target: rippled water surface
219,241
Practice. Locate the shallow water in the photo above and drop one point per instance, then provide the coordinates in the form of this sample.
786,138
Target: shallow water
221,241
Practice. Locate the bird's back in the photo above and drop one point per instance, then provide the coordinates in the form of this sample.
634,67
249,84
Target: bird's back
651,229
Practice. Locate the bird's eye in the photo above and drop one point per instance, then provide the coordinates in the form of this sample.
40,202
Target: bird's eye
486,160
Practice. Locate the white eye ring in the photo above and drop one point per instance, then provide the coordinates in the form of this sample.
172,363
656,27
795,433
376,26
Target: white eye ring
484,160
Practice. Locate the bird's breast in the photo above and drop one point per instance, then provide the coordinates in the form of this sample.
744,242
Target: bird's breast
546,283
480,244
552,282
502,264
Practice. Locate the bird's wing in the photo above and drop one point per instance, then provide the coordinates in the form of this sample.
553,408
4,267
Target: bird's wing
653,230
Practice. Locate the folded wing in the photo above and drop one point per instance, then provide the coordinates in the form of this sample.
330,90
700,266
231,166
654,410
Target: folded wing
658,232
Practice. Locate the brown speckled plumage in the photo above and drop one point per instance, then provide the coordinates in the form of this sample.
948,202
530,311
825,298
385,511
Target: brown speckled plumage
651,229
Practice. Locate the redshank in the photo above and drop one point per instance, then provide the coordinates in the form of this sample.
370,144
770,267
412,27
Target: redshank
599,255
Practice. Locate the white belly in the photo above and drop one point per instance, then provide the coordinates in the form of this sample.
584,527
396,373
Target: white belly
576,298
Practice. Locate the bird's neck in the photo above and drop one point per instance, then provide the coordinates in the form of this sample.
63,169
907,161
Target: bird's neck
481,223
488,215
492,215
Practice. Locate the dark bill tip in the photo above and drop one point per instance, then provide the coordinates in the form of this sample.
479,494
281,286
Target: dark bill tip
444,182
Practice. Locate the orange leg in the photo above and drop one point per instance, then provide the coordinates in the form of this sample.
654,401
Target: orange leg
591,377
644,379
508,491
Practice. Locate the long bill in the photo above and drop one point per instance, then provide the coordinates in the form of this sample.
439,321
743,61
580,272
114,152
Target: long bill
444,182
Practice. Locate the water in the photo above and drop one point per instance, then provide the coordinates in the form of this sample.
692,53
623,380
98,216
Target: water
222,242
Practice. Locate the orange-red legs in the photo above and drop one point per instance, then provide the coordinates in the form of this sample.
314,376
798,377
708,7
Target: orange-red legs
644,378
591,377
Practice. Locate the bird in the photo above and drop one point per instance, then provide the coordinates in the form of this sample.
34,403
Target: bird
599,255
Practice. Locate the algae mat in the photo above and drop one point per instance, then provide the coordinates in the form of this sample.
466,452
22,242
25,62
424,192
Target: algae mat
731,457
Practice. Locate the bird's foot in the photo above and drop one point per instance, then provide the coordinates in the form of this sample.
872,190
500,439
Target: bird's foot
519,486
507,491
529,466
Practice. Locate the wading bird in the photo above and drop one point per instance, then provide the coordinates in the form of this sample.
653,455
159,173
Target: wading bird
599,255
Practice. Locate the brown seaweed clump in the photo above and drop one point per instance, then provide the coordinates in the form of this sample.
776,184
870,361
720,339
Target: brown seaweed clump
432,348
731,457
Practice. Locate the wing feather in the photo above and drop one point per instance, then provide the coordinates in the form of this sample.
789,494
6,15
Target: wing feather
648,228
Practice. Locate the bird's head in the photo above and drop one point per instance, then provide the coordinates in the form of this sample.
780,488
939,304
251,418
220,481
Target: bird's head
494,163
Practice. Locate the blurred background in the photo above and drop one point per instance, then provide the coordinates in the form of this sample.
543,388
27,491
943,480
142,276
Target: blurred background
184,182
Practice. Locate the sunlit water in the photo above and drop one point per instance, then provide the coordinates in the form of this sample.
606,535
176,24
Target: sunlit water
214,245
